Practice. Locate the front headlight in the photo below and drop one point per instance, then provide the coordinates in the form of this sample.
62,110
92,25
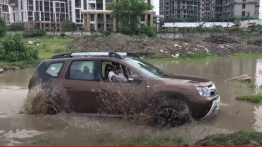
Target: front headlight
203,91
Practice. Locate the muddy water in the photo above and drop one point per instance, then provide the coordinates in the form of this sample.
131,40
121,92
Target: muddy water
78,129
234,115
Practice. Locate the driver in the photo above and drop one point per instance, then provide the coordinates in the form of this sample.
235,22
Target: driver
116,74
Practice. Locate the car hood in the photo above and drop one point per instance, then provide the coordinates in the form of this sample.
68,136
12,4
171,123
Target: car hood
185,79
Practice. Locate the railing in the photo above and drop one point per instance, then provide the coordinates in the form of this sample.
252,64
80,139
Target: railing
109,21
91,8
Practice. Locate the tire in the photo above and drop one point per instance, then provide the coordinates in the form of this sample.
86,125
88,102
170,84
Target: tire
52,110
173,113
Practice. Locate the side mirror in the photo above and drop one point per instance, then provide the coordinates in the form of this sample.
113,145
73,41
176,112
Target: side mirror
137,80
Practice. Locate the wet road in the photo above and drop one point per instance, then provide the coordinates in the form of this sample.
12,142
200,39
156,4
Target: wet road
21,129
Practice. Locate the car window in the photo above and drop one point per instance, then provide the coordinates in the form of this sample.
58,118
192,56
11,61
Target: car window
82,70
54,69
147,69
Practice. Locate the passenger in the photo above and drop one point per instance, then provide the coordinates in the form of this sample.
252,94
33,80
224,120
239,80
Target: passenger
86,74
116,76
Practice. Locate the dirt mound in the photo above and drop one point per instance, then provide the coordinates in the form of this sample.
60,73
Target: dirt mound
220,39
255,42
161,47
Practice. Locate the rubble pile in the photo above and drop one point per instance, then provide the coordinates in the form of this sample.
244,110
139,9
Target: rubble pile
163,47
255,42
33,43
220,39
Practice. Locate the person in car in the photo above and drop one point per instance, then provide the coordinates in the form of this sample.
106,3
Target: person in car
116,75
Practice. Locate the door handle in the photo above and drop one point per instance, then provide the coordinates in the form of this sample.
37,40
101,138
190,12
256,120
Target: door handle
67,87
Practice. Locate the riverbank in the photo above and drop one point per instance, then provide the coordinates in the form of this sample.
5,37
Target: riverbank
235,139
150,49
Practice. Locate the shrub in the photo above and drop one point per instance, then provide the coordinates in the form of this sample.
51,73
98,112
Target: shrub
255,34
16,27
3,27
34,33
63,49
108,32
147,30
14,49
62,35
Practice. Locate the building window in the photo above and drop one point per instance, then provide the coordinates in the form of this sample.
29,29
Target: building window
243,13
85,4
243,6
92,17
143,18
149,2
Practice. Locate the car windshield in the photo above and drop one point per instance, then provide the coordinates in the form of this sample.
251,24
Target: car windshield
147,69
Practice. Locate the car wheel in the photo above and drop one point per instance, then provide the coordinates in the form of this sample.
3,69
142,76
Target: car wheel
172,113
52,110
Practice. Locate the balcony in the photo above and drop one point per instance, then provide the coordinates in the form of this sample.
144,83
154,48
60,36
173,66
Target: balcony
92,8
100,20
13,3
109,21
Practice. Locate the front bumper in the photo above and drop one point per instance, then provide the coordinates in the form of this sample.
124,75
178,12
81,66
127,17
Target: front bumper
213,110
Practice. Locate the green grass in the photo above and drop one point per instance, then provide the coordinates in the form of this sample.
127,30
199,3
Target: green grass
244,55
50,47
250,98
235,139
143,141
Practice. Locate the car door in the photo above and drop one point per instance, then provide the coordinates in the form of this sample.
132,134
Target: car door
119,98
81,84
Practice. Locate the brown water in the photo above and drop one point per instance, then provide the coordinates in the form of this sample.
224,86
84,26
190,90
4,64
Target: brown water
79,129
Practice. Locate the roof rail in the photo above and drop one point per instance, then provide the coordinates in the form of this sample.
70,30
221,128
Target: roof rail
110,54
61,56
118,55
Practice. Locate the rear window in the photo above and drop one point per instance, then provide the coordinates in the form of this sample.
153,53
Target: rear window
54,69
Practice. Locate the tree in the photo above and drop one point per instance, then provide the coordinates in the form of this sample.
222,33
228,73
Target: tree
248,17
128,13
68,25
3,27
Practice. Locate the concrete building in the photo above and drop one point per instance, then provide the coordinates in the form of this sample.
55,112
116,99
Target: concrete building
98,17
4,10
45,14
48,14
236,8
186,9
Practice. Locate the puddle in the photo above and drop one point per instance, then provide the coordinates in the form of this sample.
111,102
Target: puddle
18,129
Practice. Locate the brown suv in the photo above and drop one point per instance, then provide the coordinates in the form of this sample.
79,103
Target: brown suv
84,75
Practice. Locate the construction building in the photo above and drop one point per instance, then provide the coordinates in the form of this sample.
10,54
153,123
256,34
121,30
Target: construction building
184,9
4,10
206,9
45,14
98,17
48,14
236,8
